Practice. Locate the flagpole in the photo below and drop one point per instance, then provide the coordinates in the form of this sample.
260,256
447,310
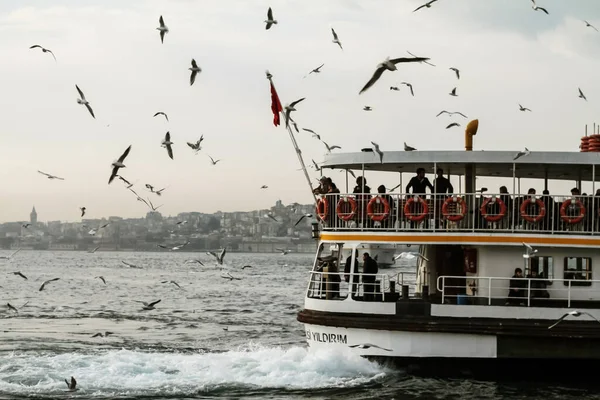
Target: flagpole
296,148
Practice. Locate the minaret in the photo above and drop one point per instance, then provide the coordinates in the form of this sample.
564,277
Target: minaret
33,217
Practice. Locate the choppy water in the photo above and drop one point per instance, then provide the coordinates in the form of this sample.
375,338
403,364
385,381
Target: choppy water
181,349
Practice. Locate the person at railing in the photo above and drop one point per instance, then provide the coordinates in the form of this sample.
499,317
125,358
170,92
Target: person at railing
370,270
516,289
508,202
573,210
352,279
362,191
537,286
548,222
389,221
419,185
333,277
442,186
333,198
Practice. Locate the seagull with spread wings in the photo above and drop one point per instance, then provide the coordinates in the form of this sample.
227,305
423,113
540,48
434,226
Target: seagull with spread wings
451,113
270,20
195,69
162,29
163,114
49,176
218,257
82,100
44,50
426,5
288,110
390,65
119,164
166,143
336,40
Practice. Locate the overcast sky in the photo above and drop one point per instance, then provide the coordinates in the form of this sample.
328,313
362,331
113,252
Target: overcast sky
507,53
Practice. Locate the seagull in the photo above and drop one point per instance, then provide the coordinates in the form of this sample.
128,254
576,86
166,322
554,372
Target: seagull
288,110
130,265
129,184
195,69
453,92
11,256
159,192
427,5
15,309
27,225
196,146
450,113
536,8
329,148
409,86
213,161
162,29
315,165
264,187
587,24
152,206
101,278
269,215
367,108
173,282
453,124
270,21
408,148
521,154
573,313
219,257
167,143
394,88
530,250
148,306
456,71
92,232
104,225
51,176
316,70
390,65
19,273
350,172
118,164
302,217
247,266
581,95
378,151
82,100
100,334
82,211
335,39
94,250
180,246
162,113
283,251
72,386
46,282
181,222
309,130
410,256
394,188
369,345
44,50
521,108
230,277
196,261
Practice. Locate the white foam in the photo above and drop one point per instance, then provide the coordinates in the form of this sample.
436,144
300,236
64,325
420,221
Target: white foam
126,372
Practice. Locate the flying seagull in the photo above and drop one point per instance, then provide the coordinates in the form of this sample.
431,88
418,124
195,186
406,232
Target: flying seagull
270,216
130,265
264,187
521,108
72,386
573,313
456,71
11,256
19,273
46,282
196,261
452,124
230,277
368,345
118,164
453,92
82,211
195,69
82,100
587,24
302,217
288,110
148,306
27,225
283,251
390,65
329,148
162,29
521,154
378,151
197,145
162,113
536,8
129,184
367,108
213,161
394,88
246,266
173,282
270,21
581,95
410,256
44,50
152,205
427,5
15,309
51,176
219,257
530,250
167,144
409,86
316,70
335,39
101,278
94,250
408,148
450,113
100,334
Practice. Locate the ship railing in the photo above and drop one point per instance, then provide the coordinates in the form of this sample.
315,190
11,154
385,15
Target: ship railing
495,290
464,212
333,286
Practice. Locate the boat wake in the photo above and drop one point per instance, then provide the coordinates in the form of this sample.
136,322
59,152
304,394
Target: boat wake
127,373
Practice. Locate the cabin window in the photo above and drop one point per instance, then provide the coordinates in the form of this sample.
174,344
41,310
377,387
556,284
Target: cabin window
543,265
578,270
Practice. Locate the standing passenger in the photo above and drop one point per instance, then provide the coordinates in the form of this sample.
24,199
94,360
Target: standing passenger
370,270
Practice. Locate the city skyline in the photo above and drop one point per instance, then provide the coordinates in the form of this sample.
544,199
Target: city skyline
508,54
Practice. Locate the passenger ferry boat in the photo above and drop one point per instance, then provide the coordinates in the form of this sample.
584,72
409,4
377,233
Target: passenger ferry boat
461,302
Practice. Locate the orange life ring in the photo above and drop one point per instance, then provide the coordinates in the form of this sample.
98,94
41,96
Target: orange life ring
322,208
575,219
462,208
378,216
529,218
343,215
493,218
408,209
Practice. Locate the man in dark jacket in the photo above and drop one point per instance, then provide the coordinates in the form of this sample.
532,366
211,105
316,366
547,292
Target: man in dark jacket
370,269
354,278
516,290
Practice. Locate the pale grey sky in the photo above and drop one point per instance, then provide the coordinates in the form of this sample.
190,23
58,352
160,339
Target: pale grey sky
507,54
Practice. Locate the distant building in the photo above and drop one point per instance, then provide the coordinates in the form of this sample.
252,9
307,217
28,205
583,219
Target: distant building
33,216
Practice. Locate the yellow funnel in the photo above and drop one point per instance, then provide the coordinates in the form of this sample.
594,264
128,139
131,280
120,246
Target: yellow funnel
470,131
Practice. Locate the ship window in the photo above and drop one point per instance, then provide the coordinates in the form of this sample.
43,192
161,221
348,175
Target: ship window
543,265
578,270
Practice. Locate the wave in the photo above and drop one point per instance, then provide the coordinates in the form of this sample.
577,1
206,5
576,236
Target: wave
253,368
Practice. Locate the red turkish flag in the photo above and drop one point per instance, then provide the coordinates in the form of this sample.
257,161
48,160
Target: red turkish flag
275,105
